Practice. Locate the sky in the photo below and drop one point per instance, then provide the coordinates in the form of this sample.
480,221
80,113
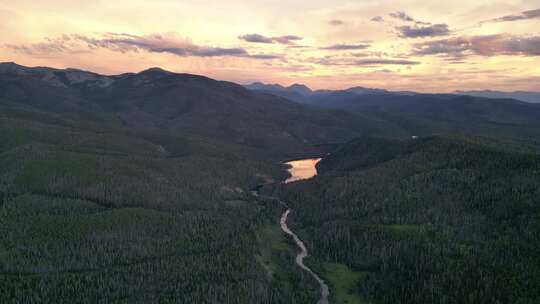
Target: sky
420,45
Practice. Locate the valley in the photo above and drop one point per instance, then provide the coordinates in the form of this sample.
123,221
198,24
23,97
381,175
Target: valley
270,152
159,187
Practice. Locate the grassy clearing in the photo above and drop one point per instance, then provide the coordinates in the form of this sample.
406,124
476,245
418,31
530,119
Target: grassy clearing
272,242
342,281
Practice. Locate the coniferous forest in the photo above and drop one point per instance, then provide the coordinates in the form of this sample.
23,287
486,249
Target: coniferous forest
101,214
159,187
431,220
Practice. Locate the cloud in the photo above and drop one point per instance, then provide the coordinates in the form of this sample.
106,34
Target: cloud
62,44
289,39
371,62
336,22
332,61
406,18
158,43
377,19
532,14
257,38
483,45
120,42
212,52
370,54
416,31
342,47
266,56
402,16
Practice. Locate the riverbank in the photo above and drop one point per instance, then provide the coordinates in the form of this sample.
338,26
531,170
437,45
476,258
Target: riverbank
301,170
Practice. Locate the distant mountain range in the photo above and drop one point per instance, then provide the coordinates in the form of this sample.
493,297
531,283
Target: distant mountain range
533,97
419,113
185,103
284,121
302,93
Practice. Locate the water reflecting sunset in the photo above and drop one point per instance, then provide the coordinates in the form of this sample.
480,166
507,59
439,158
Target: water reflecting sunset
302,169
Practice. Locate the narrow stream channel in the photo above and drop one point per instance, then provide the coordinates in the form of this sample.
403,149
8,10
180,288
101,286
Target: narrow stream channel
299,170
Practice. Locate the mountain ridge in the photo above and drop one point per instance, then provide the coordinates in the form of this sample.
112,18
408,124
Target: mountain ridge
290,124
155,98
429,113
525,96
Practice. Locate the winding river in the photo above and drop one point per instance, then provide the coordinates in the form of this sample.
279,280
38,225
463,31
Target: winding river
299,170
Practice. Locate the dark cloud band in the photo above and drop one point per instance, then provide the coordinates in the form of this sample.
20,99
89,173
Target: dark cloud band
423,31
532,14
257,38
485,45
342,47
155,43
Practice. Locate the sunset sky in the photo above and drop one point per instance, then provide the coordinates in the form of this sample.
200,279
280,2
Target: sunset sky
400,45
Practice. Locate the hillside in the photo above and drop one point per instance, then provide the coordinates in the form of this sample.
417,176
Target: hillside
426,114
190,104
157,99
432,220
111,214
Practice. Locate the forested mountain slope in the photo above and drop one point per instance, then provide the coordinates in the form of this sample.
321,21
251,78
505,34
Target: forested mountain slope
443,112
158,99
183,103
92,212
425,114
432,220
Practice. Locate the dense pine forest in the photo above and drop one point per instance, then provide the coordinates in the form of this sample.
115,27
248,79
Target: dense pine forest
93,212
431,220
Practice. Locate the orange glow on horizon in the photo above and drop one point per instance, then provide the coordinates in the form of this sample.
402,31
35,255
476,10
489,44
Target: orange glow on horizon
285,43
